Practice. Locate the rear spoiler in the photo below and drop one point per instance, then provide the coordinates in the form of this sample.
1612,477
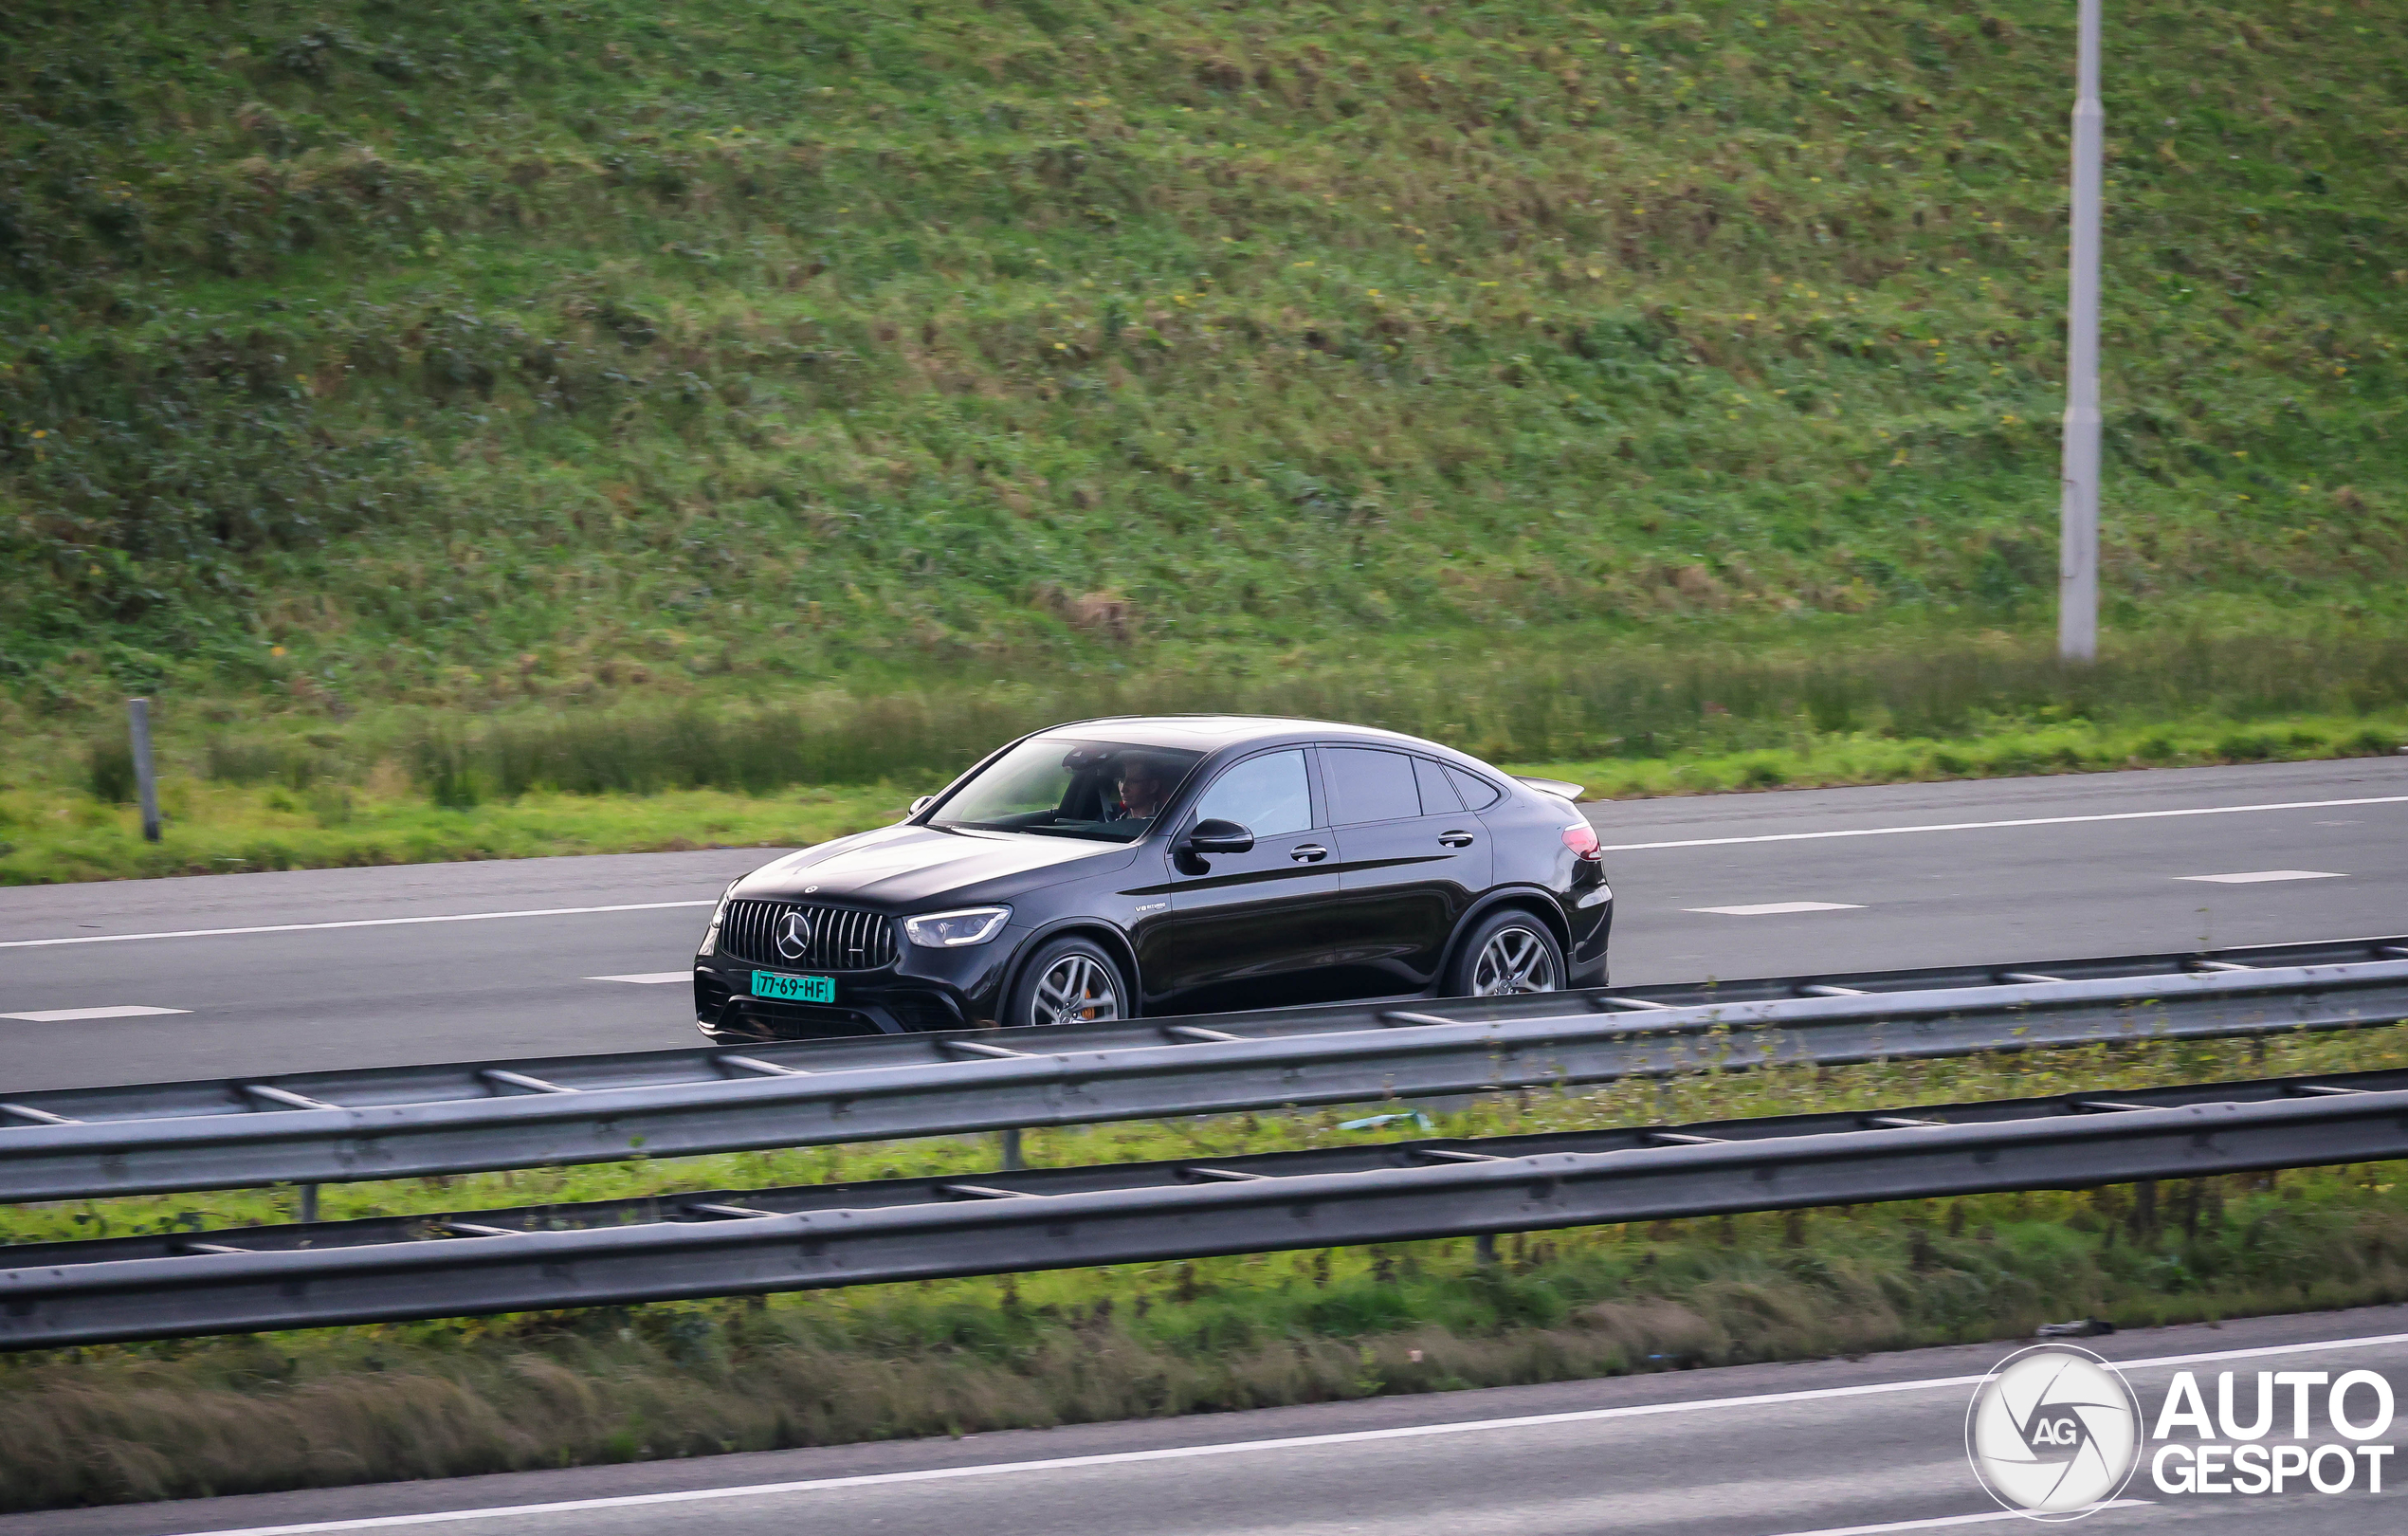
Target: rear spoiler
1553,786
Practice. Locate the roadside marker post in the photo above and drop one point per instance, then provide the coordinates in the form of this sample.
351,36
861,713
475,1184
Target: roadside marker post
2078,514
137,723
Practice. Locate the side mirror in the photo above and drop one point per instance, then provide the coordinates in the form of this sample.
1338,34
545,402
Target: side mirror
1219,838
921,804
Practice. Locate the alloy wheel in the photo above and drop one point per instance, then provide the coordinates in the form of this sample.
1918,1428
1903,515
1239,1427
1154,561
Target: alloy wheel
1076,989
1513,960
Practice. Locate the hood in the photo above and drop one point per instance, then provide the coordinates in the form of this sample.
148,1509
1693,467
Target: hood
903,866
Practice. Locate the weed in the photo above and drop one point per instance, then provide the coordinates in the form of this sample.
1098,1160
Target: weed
108,770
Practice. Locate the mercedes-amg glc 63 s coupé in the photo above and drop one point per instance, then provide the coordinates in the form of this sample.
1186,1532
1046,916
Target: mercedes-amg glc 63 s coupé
1176,865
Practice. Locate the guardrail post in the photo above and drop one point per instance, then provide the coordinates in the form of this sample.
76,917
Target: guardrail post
138,723
1013,1162
309,1203
1484,1248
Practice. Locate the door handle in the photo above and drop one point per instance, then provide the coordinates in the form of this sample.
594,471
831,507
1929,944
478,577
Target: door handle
1455,839
1309,853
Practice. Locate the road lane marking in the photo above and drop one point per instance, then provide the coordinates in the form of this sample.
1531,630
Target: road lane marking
1943,1522
63,1016
2254,877
1184,1452
1980,826
649,979
1776,909
355,923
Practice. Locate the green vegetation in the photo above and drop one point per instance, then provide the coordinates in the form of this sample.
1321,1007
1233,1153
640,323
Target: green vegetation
624,1383
440,354
215,830
250,788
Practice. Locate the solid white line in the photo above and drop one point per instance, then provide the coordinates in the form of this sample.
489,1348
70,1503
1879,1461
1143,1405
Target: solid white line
1961,1520
933,1475
649,979
1979,826
1777,909
63,1015
2372,1341
2257,876
356,923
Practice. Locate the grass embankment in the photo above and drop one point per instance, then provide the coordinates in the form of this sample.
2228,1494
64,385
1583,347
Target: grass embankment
625,1383
222,829
353,353
254,790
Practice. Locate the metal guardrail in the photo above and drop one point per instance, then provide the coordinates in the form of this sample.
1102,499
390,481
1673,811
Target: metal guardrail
517,1118
431,1083
712,1245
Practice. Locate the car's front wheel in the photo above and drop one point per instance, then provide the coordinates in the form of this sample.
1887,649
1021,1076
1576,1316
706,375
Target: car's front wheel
1510,952
1069,981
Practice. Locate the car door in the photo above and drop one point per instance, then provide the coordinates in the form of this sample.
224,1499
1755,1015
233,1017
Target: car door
1253,930
1411,861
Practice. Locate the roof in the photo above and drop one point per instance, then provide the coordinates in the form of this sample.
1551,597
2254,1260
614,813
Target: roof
1207,733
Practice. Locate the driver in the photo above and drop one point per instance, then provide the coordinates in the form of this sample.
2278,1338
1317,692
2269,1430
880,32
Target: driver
1141,784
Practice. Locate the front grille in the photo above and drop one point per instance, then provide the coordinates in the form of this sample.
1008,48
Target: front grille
834,938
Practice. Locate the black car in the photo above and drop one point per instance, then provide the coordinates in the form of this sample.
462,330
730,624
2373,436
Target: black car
1179,864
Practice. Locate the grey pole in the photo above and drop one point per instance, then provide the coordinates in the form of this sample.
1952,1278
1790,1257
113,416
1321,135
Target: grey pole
2078,526
137,723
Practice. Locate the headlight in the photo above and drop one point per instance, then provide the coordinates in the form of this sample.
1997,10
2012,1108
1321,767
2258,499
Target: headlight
951,930
710,935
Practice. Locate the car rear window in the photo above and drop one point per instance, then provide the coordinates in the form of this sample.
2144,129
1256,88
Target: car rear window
1478,794
1368,785
1437,795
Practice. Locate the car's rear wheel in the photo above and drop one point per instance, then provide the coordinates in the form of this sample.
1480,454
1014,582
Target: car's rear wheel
1509,953
1069,981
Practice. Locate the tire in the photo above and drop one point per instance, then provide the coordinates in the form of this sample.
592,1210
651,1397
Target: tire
1070,980
1507,952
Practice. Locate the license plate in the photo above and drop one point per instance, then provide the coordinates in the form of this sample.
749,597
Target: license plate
814,989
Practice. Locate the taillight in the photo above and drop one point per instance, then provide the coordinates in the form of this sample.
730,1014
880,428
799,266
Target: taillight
1582,839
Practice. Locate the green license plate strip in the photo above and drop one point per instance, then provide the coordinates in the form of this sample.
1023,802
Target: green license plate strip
810,988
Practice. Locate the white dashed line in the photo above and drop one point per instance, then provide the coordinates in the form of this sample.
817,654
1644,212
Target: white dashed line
1984,825
649,979
2253,877
355,923
67,1015
1777,909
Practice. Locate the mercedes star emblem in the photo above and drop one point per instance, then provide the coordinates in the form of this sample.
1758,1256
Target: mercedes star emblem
793,935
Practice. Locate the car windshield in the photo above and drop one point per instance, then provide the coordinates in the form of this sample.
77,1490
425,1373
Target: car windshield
1057,787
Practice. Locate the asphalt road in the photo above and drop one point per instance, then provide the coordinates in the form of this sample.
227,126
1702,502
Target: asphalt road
1833,1448
444,963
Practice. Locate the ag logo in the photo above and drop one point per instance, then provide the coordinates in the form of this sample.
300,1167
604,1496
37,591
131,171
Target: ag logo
793,935
2054,1431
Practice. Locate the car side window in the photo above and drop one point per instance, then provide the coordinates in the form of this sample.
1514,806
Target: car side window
1437,795
1478,794
1268,795
1365,784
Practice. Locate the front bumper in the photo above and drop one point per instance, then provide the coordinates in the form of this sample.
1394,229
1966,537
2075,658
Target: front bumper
925,989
